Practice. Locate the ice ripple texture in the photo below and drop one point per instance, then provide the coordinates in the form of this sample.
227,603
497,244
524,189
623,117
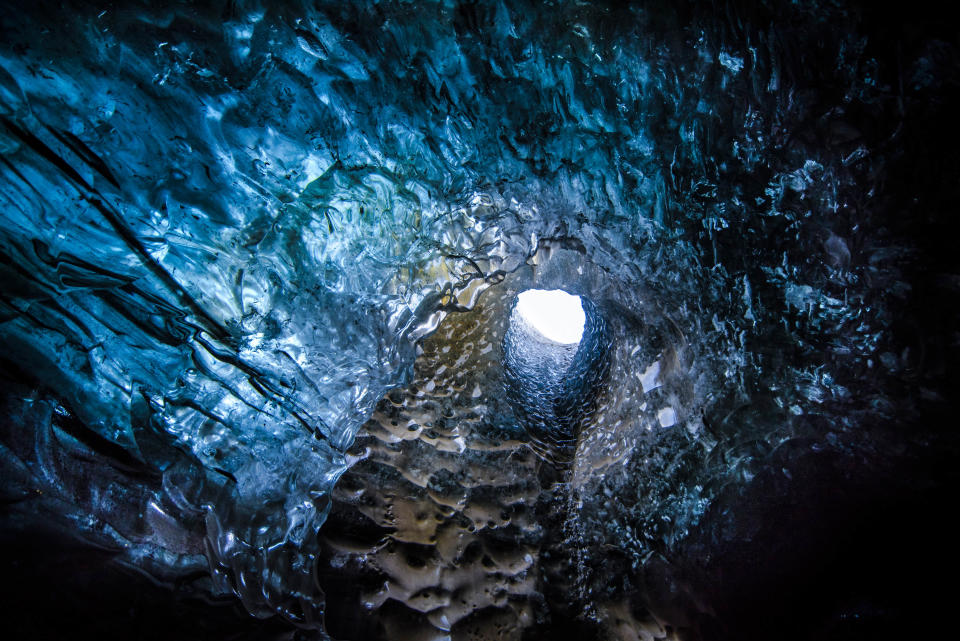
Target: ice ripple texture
225,228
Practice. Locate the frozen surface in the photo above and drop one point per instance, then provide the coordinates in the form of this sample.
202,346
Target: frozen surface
228,231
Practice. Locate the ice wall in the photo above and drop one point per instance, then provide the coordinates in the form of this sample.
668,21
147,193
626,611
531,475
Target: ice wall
225,227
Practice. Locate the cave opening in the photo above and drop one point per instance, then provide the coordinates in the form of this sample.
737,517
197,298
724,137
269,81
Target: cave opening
554,313
553,353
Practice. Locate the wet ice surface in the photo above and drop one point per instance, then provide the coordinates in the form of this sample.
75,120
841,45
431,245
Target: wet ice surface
230,234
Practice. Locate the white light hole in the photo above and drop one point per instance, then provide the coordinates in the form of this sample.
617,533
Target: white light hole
554,313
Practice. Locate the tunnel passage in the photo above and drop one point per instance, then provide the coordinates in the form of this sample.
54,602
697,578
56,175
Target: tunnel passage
552,371
225,226
458,516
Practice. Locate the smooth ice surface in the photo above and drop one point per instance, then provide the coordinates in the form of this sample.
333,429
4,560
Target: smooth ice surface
554,313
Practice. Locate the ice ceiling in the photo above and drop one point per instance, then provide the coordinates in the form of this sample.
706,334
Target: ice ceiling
258,267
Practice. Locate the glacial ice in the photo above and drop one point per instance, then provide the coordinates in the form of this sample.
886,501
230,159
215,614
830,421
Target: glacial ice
237,238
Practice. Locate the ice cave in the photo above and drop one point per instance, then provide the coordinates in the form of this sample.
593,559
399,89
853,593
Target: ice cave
450,320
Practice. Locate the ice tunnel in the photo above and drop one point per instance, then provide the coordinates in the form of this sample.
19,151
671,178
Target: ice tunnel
275,364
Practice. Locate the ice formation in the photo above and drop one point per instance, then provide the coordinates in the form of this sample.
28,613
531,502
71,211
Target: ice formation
259,262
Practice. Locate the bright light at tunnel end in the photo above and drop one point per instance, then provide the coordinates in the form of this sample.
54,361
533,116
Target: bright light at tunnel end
554,313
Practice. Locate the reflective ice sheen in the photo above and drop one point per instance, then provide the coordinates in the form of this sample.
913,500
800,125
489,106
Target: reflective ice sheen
228,233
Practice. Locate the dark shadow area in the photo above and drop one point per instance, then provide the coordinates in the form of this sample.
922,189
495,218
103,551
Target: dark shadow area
825,544
57,588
